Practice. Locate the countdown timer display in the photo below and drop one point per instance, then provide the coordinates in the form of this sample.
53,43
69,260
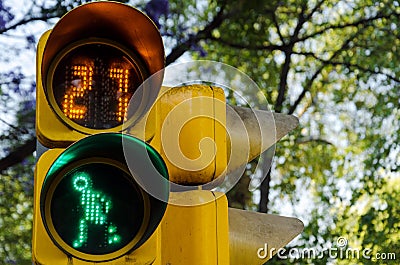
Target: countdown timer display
92,84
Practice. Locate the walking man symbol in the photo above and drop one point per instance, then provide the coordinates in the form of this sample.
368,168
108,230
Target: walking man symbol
96,207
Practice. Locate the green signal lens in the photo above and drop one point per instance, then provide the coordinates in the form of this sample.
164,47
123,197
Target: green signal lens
96,209
91,205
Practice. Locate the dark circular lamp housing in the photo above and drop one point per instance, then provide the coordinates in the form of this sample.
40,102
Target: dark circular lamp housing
95,58
92,207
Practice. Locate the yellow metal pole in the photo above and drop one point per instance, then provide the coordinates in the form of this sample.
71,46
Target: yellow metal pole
195,229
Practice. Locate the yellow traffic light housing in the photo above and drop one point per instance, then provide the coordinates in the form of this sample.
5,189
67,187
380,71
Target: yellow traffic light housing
88,68
195,229
97,201
190,133
91,205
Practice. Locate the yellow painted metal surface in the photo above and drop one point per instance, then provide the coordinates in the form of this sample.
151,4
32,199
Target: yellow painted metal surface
45,252
108,23
53,129
190,133
50,130
195,234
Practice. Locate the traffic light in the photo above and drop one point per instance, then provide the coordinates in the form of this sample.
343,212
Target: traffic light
89,66
88,205
91,206
128,170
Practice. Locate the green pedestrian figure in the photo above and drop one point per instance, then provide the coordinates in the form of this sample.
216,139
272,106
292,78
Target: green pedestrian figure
96,207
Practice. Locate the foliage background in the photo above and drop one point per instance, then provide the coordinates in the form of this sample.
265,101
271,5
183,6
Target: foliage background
334,64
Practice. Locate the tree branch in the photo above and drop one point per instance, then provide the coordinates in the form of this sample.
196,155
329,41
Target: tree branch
264,190
316,7
367,70
205,33
27,20
309,83
18,155
364,21
276,24
270,47
350,65
310,139
265,185
283,80
306,88
286,65
16,128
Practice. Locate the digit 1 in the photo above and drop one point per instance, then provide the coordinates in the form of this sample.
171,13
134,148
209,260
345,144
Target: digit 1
81,81
122,77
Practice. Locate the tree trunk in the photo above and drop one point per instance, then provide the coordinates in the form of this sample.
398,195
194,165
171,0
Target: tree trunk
266,160
264,193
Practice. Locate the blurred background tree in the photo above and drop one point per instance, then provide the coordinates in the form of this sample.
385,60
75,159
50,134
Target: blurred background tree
334,64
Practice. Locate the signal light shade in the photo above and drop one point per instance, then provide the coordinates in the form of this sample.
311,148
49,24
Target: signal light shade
113,21
91,205
255,237
263,130
89,66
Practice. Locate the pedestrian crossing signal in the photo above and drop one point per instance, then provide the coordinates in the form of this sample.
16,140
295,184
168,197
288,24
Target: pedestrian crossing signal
91,205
